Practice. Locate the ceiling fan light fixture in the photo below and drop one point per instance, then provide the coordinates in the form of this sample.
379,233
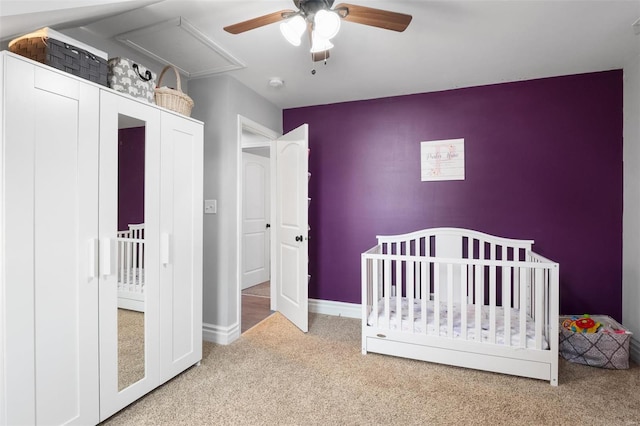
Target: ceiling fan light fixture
293,29
319,43
326,23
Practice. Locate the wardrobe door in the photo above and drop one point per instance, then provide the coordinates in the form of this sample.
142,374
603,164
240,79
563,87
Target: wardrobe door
129,344
181,244
49,231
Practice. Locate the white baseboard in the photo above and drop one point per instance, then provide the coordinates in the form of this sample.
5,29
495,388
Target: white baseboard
338,309
634,350
220,335
226,335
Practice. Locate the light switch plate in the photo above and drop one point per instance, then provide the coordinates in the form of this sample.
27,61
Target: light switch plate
210,206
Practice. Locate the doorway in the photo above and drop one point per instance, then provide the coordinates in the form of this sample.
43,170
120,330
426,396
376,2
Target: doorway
279,253
255,227
256,233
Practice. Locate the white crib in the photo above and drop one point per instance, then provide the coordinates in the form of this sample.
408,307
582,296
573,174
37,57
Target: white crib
131,278
461,297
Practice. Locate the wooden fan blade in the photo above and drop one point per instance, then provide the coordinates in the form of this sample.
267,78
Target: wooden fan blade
374,17
260,21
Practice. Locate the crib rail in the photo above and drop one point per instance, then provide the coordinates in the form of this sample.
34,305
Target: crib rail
416,292
131,252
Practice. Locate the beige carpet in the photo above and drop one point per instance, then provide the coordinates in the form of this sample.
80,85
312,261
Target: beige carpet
276,375
130,347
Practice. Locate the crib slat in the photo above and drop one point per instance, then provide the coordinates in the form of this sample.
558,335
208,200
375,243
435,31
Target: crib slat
492,295
425,294
134,267
121,254
503,257
539,305
516,288
427,276
417,284
523,307
128,264
470,287
398,285
479,284
463,301
450,300
506,303
492,303
387,292
436,297
142,275
373,286
410,286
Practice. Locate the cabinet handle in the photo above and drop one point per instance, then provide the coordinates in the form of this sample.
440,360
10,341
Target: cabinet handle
93,258
165,241
105,257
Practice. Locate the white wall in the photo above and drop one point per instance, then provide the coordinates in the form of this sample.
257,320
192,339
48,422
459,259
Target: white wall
218,101
631,215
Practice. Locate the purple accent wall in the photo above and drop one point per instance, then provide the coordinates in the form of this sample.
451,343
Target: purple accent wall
130,176
543,162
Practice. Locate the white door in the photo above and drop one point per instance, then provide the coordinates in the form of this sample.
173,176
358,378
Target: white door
51,293
291,240
181,214
255,219
129,362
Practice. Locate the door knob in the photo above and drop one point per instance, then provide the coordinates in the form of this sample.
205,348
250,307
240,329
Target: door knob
268,225
299,238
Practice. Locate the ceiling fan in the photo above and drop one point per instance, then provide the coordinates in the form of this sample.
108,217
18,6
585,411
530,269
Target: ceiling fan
322,22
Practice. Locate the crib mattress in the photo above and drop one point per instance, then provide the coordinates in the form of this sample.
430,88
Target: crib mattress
417,327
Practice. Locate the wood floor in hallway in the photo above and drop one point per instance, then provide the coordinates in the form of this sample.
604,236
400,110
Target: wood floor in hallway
255,308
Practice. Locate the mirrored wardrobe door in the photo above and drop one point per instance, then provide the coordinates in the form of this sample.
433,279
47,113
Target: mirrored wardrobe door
129,250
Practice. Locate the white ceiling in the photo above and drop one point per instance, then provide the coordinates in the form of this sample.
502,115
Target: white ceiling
449,44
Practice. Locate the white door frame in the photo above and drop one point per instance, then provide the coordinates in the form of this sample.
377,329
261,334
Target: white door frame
246,125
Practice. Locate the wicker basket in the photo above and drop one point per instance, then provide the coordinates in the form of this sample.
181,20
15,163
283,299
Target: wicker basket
173,99
62,56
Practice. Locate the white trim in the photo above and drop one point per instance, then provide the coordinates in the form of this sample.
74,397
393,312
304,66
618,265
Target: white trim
339,309
220,335
226,335
634,350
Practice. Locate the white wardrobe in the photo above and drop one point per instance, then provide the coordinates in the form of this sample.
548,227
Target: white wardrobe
69,355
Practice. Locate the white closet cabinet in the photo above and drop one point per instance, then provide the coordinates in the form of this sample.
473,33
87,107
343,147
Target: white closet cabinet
63,340
49,214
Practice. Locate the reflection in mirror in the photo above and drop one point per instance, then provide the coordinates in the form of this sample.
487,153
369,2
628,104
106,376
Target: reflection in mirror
131,249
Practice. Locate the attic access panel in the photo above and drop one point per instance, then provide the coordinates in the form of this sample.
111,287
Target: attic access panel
165,43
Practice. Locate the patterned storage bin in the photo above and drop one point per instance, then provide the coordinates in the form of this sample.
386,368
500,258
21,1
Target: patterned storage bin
606,348
131,78
64,53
